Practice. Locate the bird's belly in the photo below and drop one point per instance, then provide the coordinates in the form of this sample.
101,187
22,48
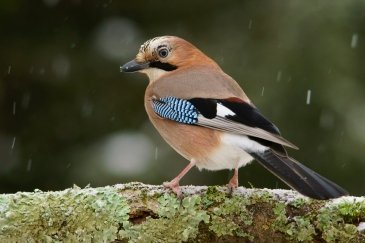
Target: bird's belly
231,153
225,157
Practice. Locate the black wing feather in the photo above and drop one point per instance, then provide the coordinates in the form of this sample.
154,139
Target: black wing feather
206,107
298,176
249,115
244,113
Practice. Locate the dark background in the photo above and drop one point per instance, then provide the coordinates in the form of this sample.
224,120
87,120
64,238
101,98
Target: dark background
68,116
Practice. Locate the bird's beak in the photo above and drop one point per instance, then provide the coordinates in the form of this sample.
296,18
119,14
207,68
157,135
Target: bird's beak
133,66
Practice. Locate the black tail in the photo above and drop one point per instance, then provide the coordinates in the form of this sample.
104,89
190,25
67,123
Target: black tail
299,177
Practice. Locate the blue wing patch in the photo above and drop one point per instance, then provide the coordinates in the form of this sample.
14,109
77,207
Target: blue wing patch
175,109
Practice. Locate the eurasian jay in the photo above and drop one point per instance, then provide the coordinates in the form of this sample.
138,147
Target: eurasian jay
206,117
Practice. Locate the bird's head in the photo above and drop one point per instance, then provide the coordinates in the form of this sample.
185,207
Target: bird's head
162,55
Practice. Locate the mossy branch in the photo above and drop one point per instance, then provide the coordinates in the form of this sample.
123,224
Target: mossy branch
136,212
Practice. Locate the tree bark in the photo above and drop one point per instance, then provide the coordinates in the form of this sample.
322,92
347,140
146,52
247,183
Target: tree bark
136,212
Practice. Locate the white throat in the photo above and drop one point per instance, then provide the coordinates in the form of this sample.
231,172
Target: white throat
154,73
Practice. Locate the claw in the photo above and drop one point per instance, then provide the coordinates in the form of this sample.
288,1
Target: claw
174,186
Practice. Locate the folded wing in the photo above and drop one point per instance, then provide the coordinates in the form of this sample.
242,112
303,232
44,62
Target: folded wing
230,115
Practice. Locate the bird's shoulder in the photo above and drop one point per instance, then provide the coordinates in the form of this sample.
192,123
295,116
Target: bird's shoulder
198,81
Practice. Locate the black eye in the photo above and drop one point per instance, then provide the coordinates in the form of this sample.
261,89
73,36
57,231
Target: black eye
163,52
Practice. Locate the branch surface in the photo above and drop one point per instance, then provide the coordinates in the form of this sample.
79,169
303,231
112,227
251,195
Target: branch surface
135,212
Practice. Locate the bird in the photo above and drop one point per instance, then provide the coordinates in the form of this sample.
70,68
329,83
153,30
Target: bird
206,117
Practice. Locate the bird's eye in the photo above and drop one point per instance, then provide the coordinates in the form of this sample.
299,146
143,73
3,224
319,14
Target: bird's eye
163,52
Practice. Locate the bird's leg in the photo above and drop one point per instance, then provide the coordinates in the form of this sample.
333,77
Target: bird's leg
233,182
174,183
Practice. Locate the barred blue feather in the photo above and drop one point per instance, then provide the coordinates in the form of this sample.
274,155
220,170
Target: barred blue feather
176,109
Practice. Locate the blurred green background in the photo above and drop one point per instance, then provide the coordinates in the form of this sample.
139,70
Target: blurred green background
68,116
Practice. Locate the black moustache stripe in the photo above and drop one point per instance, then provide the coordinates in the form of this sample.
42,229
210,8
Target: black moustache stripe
163,65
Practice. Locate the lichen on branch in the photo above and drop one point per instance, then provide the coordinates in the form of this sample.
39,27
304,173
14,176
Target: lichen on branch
135,212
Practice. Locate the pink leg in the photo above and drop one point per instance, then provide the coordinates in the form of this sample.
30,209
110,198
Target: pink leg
233,182
174,183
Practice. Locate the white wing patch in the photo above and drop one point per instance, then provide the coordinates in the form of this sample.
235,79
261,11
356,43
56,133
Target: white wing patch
224,111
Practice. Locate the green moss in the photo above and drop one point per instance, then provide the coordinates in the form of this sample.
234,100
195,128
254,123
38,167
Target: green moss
230,217
102,215
298,228
336,222
297,203
58,216
261,196
178,220
213,196
280,217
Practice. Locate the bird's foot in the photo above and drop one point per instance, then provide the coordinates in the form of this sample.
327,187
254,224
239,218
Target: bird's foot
174,183
174,186
232,185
